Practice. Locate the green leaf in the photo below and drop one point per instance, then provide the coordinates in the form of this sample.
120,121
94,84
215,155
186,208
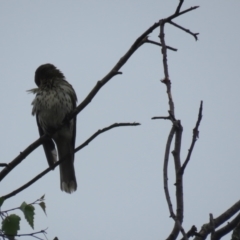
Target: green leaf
1,201
10,225
43,206
28,211
42,197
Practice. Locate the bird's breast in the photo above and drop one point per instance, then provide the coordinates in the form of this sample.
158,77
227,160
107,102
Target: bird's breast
52,106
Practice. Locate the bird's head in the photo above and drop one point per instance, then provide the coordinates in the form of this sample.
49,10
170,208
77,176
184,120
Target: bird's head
46,73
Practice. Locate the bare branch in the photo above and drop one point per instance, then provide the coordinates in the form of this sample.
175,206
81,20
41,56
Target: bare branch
40,175
177,128
3,164
179,6
166,80
22,156
26,234
164,48
194,138
177,227
206,228
158,44
102,131
165,172
226,229
175,15
165,118
185,30
139,41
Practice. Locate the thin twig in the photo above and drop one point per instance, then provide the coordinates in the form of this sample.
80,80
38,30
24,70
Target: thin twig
164,48
185,30
165,118
211,224
179,6
27,234
3,164
158,44
194,137
22,156
175,15
40,175
166,79
165,171
102,131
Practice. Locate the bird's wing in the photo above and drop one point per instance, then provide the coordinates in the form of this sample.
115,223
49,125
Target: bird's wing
74,129
48,146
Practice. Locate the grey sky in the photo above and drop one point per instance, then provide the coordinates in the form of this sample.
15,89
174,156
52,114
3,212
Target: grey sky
120,189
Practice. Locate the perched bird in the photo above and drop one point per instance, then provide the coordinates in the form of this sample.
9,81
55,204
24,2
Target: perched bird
55,99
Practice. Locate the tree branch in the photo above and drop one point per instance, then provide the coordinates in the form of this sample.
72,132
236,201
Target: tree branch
178,218
185,30
206,228
40,175
165,171
26,234
179,6
179,184
194,138
22,156
158,44
3,164
226,229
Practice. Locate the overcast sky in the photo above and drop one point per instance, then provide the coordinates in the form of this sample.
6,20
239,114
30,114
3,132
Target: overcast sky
120,182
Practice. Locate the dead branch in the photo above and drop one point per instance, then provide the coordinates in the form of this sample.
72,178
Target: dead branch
177,131
185,30
3,164
165,171
194,138
158,44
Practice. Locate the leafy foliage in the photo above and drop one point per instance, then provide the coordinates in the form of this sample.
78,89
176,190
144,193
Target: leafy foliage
28,211
11,223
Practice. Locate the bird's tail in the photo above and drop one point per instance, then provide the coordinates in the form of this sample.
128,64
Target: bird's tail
68,181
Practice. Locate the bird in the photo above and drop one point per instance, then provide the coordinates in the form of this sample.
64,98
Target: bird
54,100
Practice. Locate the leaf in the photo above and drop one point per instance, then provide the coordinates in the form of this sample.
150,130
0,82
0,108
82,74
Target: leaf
10,225
43,206
28,211
42,197
1,201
